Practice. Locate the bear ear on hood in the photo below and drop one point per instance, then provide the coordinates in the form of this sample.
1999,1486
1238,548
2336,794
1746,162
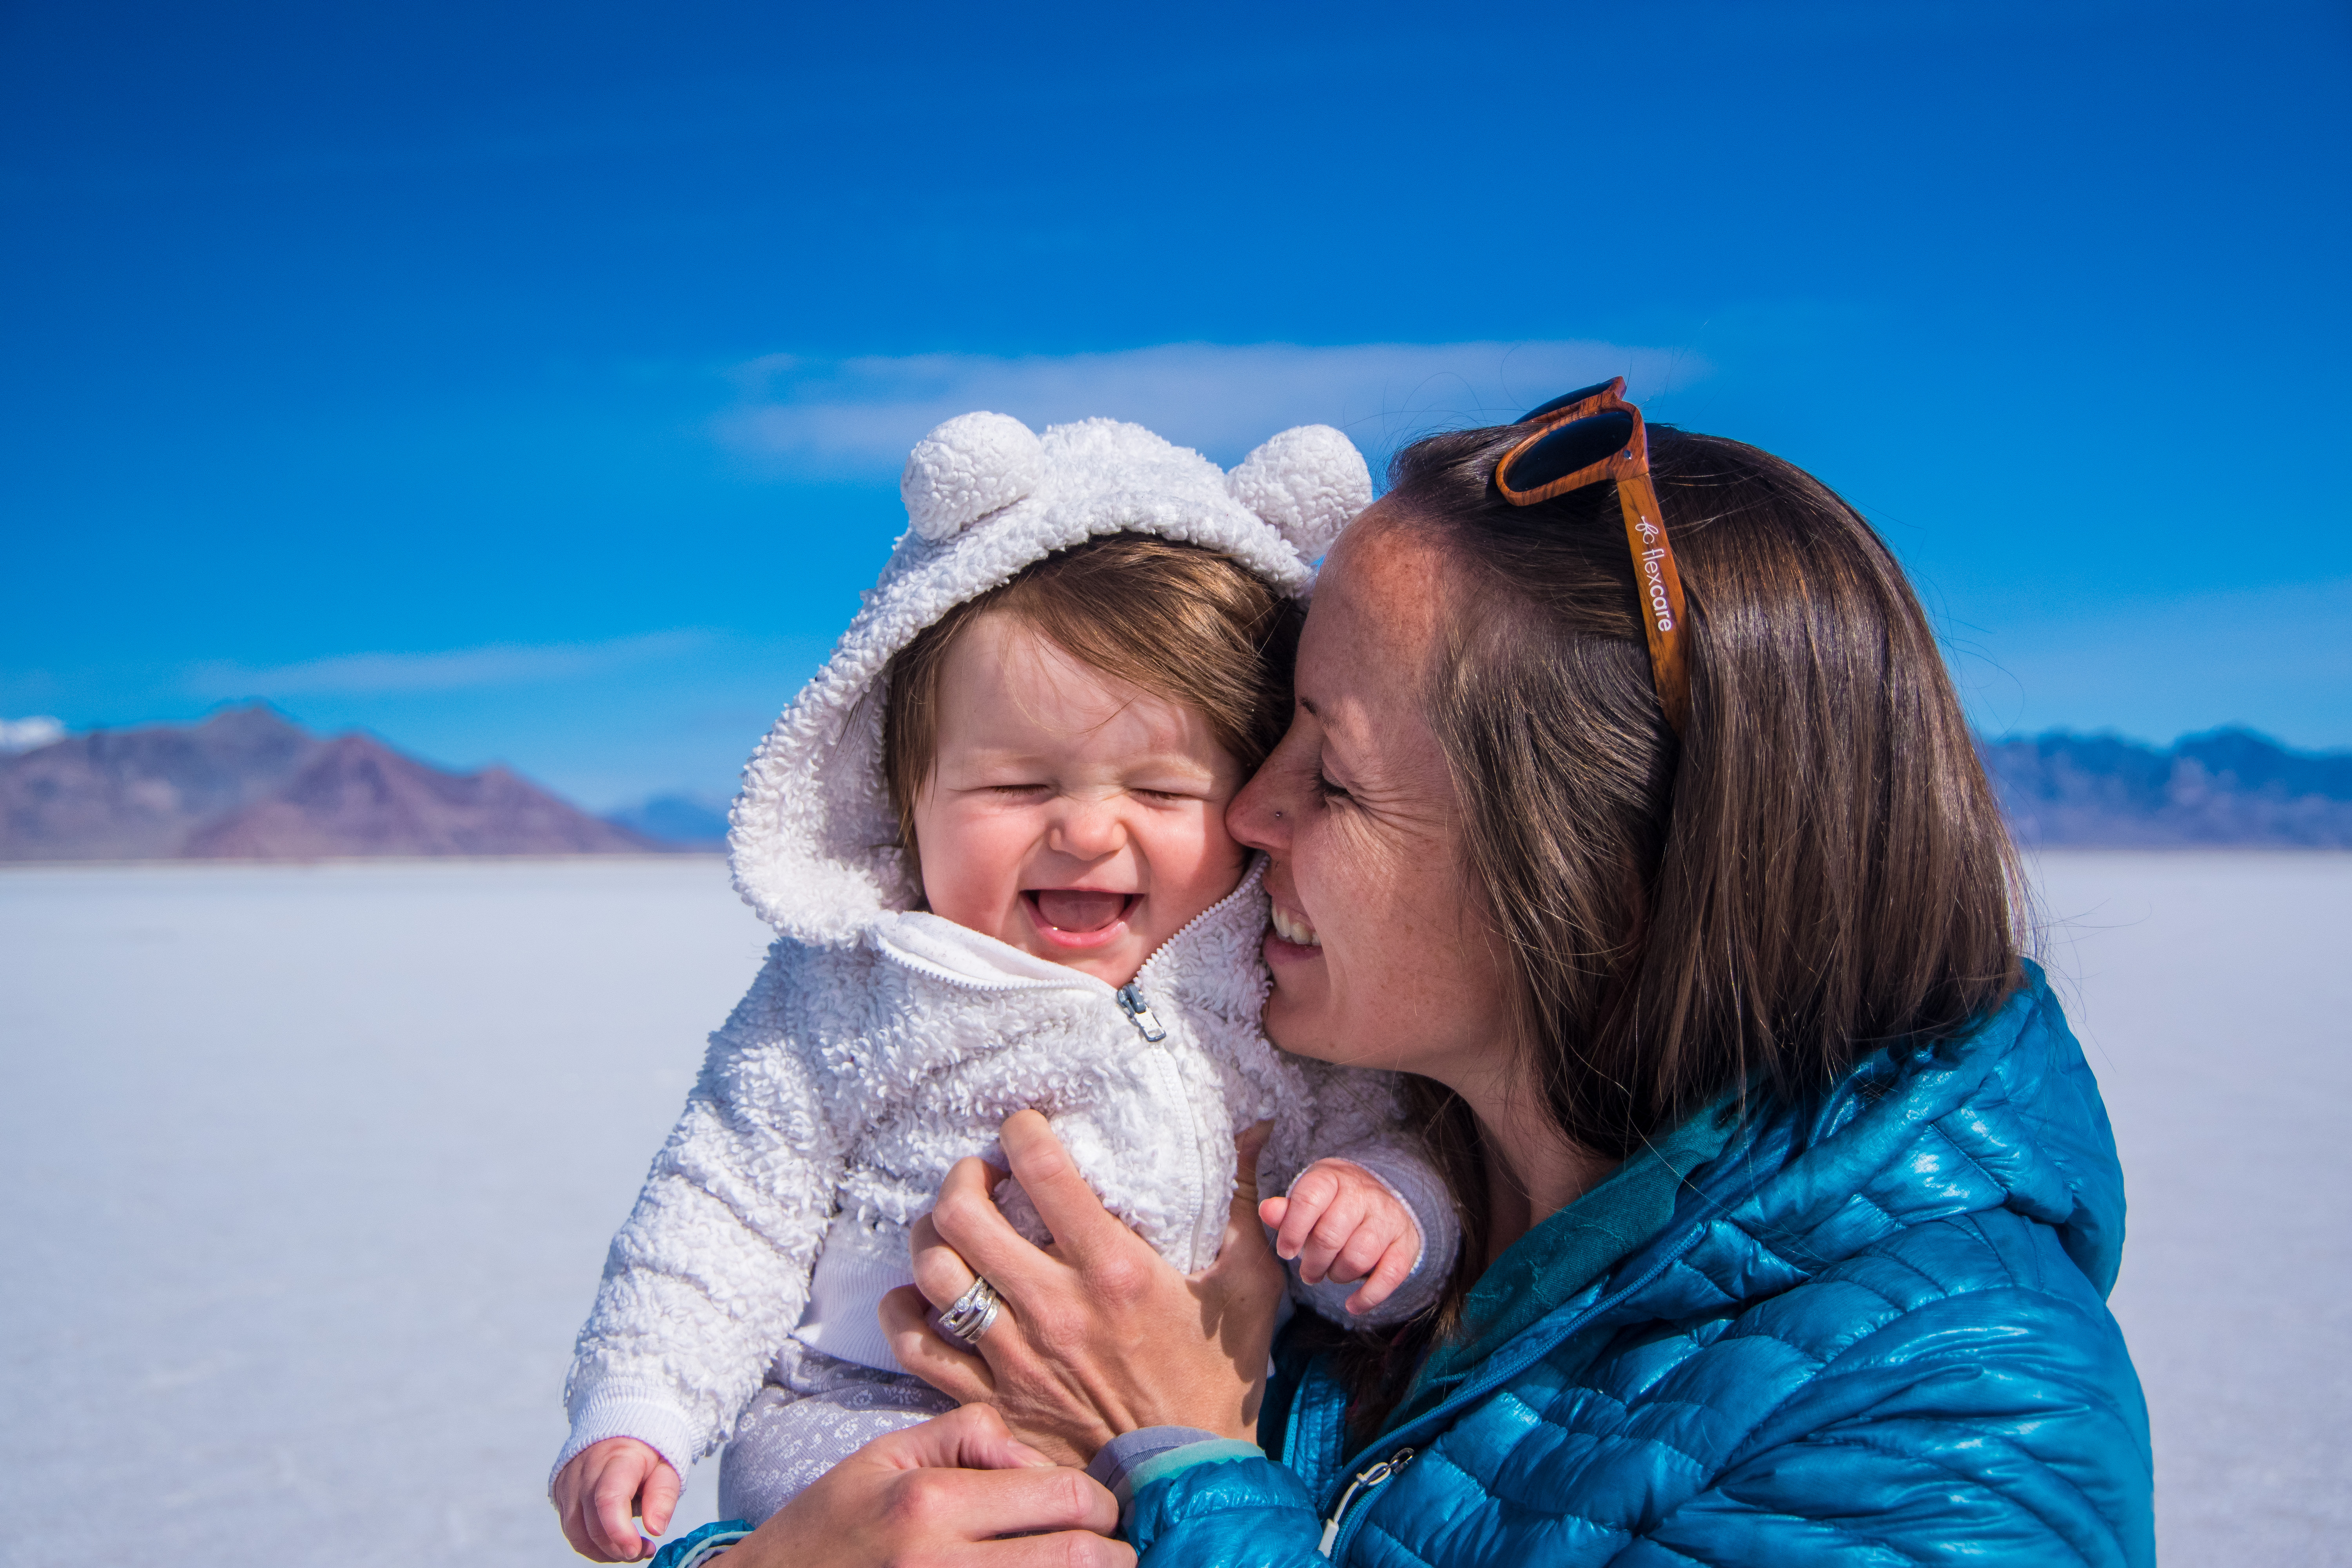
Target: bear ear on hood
1308,482
973,465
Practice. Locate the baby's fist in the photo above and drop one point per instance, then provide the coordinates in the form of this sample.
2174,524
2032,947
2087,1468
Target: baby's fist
1341,1223
603,1487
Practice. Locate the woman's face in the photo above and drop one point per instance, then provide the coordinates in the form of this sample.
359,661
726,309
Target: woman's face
1379,956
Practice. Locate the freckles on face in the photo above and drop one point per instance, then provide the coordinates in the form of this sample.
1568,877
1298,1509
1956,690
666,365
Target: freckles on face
1379,954
1067,814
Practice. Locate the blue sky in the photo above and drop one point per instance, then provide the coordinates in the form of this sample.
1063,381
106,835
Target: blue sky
529,381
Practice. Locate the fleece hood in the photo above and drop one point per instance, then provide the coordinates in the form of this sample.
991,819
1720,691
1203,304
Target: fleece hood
811,833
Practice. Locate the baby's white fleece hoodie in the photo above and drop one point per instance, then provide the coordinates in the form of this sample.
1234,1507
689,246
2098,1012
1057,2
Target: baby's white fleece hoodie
881,1044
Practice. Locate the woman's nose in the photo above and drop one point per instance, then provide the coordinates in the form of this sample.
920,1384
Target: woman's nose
1256,817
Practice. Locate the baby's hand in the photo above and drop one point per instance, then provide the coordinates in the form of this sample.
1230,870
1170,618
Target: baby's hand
602,1487
1342,1223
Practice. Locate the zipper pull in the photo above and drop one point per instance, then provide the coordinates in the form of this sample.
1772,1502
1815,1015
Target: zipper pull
1139,1011
1366,1479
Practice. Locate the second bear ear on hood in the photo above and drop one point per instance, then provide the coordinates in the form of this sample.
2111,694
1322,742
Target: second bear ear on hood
973,465
1308,482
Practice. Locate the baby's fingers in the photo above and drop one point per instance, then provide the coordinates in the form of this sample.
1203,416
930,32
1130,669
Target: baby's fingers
660,1499
1365,1246
609,1511
1310,1196
1395,1266
1331,1236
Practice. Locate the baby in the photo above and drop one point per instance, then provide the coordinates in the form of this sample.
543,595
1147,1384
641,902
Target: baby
990,834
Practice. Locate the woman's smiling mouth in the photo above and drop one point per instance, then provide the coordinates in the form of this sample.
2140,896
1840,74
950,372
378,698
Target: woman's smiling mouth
1293,929
1079,917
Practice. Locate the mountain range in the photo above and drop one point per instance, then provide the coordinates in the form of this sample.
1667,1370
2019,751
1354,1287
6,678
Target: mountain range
2223,787
247,783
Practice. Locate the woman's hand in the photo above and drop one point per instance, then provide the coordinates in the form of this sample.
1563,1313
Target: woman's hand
1100,1335
947,1492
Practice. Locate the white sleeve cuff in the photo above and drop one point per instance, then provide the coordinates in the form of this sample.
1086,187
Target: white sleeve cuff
632,1412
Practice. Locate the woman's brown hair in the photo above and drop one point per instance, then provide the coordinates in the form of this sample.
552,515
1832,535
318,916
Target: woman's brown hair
1175,620
1817,868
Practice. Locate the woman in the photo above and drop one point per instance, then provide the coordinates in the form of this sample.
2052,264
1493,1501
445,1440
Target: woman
1696,928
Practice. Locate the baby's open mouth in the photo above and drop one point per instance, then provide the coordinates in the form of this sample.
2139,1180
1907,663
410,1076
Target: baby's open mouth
1078,910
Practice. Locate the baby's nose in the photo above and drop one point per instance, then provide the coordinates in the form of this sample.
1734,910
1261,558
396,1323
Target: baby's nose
1089,829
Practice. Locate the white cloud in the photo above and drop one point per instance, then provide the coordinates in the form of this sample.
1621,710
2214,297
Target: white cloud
30,734
498,663
858,417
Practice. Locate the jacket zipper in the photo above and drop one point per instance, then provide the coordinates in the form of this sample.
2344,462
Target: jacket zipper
1501,1367
1370,1477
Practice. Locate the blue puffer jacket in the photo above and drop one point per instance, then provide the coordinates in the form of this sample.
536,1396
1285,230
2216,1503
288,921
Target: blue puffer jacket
1871,1329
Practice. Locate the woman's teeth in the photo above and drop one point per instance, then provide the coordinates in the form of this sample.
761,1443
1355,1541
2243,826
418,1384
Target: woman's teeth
1293,930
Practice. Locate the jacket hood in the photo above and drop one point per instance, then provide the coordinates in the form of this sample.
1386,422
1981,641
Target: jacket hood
812,833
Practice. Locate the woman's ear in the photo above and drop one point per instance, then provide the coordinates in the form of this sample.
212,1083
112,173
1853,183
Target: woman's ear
973,465
1308,482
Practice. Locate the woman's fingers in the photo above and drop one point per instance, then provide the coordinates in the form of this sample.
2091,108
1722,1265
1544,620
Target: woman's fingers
923,1351
940,1272
1051,1507
966,1220
1079,1549
973,1438
1083,1229
958,1492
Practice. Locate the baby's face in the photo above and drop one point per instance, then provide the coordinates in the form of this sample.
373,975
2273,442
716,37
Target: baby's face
1069,815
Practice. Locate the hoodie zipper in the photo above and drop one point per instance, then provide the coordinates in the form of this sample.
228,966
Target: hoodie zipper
1139,1011
1136,1009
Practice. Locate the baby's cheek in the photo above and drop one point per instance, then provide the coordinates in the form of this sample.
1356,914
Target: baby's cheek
1193,857
971,864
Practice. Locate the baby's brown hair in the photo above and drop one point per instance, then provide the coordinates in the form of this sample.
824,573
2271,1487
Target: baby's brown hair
1179,621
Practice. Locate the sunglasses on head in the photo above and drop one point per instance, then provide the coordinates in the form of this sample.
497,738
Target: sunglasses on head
1589,437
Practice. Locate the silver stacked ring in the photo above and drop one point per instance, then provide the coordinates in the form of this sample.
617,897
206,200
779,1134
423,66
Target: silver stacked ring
973,1313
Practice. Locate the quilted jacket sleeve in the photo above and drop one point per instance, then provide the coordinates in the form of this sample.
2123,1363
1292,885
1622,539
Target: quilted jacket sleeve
711,1271
1221,1511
